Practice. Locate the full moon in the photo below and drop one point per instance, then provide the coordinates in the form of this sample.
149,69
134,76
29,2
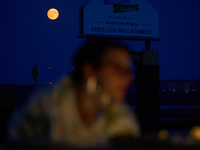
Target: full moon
53,14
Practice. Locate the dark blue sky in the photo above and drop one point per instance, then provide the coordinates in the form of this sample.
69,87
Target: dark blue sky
28,37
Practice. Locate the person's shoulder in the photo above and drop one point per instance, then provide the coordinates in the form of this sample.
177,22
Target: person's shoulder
64,83
48,94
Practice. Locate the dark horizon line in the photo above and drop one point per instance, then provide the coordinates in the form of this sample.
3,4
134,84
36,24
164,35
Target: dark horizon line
134,80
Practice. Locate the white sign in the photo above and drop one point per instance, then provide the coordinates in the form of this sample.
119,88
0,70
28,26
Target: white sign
120,18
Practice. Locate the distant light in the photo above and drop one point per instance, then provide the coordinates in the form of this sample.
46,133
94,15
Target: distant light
49,67
163,134
53,14
72,68
195,133
50,83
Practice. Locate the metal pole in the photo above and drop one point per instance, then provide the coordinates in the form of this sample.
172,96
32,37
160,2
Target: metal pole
147,89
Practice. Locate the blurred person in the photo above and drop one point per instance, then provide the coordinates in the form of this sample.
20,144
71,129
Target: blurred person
87,108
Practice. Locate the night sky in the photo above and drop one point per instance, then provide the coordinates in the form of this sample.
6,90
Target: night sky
29,37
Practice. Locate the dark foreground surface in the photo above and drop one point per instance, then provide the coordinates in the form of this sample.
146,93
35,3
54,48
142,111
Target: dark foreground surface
136,144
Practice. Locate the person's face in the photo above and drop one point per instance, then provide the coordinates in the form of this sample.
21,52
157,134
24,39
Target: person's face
114,75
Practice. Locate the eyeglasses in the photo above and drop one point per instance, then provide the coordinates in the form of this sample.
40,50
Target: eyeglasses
119,69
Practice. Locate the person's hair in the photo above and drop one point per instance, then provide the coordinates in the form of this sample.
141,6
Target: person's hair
92,52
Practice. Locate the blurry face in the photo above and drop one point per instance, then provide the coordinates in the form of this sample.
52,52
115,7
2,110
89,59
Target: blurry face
114,75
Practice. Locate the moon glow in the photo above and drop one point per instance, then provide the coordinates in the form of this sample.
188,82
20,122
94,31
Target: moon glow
52,13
